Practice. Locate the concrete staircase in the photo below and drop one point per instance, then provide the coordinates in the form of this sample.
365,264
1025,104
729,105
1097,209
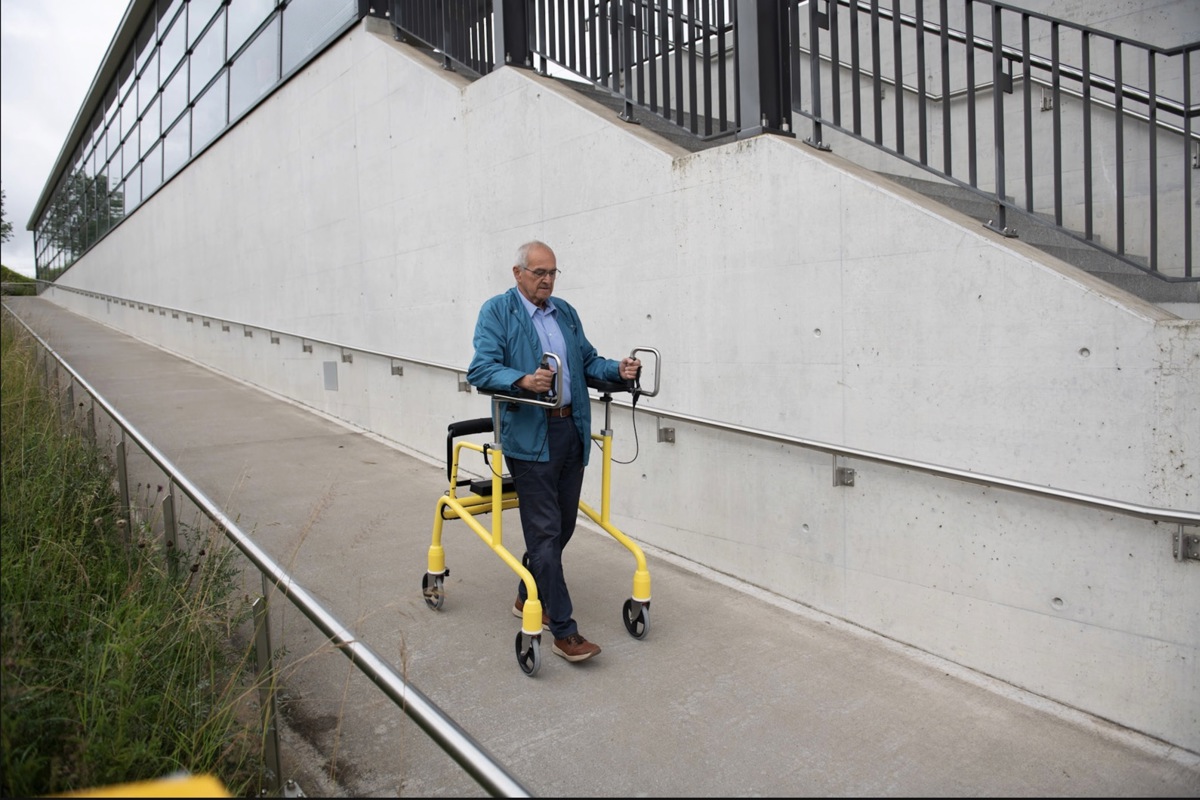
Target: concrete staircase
1179,297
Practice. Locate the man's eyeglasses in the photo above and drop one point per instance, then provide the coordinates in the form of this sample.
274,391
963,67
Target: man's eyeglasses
544,273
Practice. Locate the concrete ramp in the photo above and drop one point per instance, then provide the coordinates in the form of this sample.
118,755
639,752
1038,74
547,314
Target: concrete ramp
733,692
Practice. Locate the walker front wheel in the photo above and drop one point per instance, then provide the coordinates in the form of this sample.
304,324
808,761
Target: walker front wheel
637,618
529,653
433,589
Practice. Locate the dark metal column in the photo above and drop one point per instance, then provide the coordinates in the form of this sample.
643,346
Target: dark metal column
764,81
512,34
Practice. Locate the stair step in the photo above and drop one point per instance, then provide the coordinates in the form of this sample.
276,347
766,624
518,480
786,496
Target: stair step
1041,232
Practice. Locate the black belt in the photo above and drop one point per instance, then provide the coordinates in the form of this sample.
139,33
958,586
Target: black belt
565,411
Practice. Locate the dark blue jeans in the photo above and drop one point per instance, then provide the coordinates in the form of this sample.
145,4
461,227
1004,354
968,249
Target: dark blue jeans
548,492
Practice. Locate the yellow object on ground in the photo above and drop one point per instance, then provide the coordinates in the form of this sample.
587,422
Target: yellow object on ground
171,786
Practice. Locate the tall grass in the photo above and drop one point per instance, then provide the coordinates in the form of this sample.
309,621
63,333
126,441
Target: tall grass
114,667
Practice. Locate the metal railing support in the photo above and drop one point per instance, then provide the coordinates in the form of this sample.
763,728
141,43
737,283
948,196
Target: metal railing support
1000,222
123,488
512,34
764,79
266,688
171,530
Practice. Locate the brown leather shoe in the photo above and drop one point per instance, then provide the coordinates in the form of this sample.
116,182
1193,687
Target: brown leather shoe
575,648
519,611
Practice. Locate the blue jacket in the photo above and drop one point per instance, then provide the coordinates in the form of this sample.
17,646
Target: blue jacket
507,349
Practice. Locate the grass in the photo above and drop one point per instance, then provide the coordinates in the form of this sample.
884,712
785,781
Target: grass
115,668
16,283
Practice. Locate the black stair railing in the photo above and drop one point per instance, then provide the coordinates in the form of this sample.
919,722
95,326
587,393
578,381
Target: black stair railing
461,31
673,59
1092,131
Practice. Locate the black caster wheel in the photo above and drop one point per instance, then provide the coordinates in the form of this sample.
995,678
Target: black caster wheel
529,653
637,618
433,589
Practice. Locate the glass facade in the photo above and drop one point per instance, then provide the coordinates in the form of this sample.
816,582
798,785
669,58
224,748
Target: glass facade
193,67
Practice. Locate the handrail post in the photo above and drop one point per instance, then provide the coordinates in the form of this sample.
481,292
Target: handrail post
171,529
446,40
626,22
123,489
266,688
999,88
512,34
816,23
764,79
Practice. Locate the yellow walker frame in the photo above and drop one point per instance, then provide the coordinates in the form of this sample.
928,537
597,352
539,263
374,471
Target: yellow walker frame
496,494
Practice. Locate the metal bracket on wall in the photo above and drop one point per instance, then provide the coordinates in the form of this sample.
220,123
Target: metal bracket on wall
274,338
249,334
463,386
1186,546
666,434
347,356
305,347
397,369
224,328
842,476
174,315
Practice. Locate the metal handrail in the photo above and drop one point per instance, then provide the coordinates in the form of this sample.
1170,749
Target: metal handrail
1182,517
955,94
1045,64
451,737
268,328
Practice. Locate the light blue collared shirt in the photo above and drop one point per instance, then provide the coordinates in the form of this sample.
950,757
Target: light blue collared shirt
545,322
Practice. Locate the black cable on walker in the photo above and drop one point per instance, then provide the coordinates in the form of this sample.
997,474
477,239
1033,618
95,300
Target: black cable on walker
635,389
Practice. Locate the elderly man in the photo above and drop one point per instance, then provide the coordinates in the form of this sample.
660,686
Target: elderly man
546,449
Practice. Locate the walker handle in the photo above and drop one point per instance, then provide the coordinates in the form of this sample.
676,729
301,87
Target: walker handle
555,394
636,384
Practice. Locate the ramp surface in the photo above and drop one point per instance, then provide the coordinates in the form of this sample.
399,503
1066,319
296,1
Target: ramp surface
732,693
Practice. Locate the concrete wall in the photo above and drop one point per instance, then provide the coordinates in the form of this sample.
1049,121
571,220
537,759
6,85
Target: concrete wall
376,201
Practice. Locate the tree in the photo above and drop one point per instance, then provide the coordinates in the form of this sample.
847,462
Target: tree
5,225
81,211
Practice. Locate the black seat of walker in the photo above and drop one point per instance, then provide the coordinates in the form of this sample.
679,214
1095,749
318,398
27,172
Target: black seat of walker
468,427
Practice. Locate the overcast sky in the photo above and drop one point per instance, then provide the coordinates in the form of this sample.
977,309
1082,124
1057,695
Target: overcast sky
49,53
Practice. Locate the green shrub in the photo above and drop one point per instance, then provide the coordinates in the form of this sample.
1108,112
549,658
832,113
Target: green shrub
15,283
113,670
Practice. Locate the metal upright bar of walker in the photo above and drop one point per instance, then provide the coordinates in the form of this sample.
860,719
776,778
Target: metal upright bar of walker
495,494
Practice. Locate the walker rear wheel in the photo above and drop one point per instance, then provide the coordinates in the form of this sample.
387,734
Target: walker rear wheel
433,590
529,653
637,620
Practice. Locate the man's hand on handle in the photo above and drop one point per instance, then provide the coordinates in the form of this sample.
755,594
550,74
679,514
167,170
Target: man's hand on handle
538,382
